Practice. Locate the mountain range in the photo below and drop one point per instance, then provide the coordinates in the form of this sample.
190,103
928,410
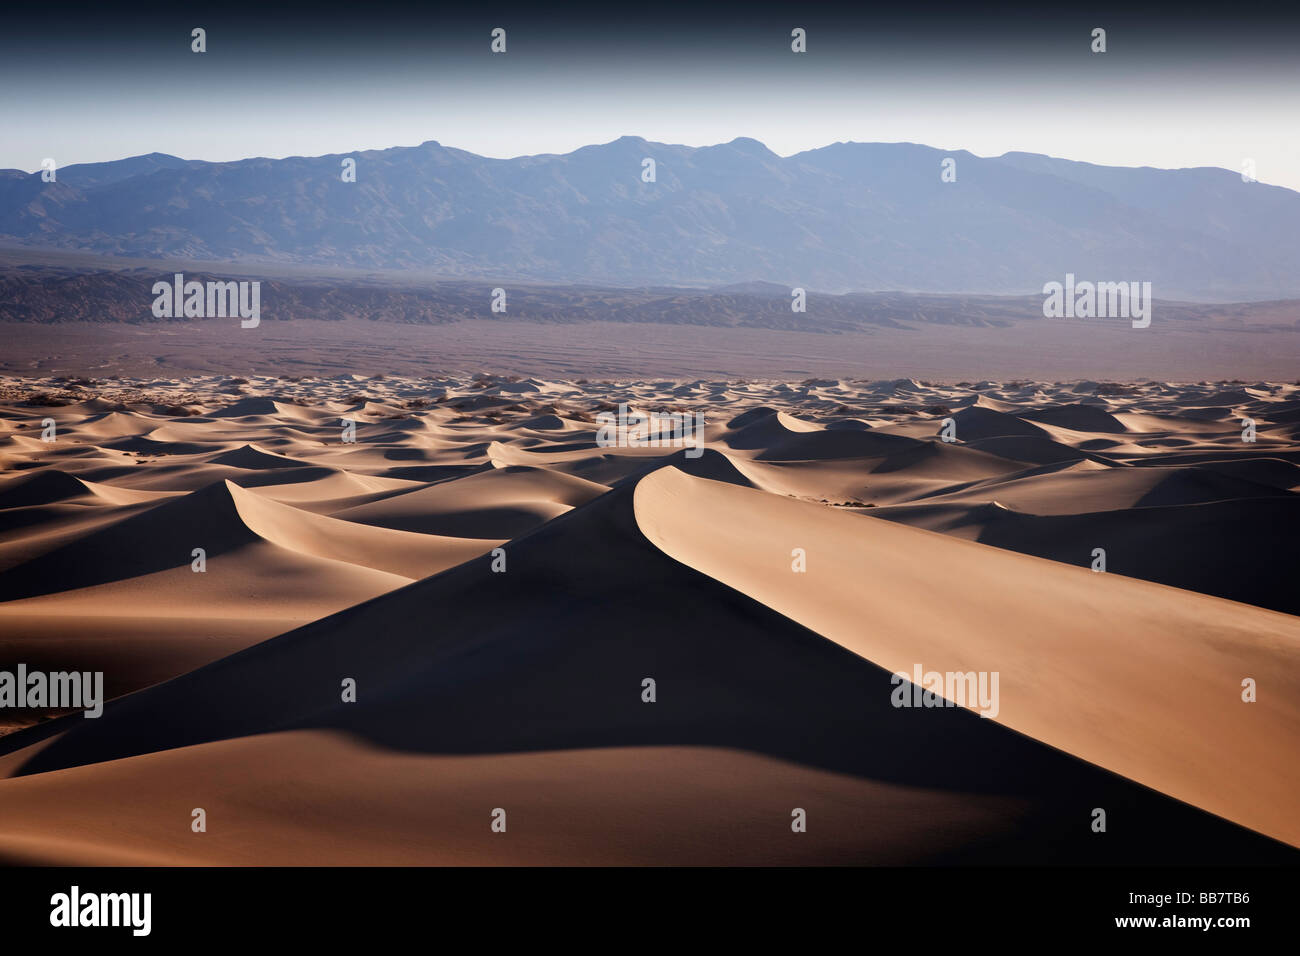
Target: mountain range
845,217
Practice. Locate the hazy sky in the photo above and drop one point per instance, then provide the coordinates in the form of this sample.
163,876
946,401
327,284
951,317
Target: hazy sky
1212,88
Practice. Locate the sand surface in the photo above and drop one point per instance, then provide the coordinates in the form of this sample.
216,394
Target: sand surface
1262,346
824,537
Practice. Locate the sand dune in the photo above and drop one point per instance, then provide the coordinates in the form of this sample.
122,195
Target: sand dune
503,502
896,596
481,686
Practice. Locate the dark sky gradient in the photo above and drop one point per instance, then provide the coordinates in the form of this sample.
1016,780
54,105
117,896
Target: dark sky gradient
1205,85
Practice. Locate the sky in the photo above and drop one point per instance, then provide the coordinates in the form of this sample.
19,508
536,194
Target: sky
1214,86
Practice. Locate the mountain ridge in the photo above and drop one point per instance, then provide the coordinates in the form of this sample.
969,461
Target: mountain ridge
843,217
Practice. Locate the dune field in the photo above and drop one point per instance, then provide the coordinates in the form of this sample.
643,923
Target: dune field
567,651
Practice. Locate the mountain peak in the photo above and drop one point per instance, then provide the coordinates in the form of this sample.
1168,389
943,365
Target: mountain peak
750,145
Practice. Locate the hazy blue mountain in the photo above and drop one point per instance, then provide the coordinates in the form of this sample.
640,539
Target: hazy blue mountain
850,216
87,175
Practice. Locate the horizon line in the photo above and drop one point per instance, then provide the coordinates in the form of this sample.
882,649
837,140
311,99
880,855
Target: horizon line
628,136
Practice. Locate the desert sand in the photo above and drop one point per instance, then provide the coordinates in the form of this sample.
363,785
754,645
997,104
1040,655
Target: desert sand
498,584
